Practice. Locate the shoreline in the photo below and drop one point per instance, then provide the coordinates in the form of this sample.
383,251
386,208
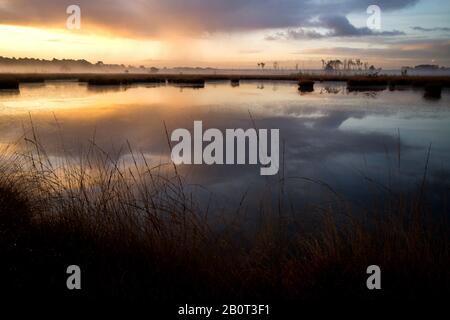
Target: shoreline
170,77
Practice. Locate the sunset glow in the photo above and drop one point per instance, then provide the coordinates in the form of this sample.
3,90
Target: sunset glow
227,34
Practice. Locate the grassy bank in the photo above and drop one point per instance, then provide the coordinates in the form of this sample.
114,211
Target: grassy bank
9,83
139,235
128,78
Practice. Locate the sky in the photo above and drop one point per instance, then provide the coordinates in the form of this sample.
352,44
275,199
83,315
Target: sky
228,33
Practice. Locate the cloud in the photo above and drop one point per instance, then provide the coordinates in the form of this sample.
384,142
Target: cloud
148,17
340,26
295,34
402,52
431,29
334,25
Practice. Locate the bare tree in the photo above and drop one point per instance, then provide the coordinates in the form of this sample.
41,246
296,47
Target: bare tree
351,64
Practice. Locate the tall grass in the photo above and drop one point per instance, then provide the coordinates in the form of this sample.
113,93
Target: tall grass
139,234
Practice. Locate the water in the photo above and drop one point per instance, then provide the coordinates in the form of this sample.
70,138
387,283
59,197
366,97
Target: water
357,144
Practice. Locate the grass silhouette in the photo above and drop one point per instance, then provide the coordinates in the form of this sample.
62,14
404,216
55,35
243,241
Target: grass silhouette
139,235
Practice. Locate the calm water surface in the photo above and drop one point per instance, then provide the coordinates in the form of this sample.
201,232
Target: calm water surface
330,135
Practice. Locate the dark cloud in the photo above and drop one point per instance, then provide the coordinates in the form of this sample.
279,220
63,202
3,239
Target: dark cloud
147,17
340,26
336,26
431,29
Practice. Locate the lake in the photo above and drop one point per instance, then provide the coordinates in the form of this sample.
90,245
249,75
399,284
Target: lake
359,145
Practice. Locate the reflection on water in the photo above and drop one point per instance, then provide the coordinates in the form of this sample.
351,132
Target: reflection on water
330,135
